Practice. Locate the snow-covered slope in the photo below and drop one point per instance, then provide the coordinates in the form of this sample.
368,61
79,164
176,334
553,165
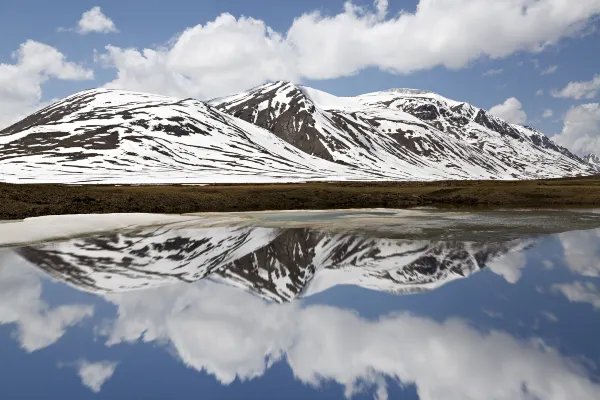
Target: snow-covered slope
403,133
593,160
125,137
276,132
276,264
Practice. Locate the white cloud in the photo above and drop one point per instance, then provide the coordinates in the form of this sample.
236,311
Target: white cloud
550,316
580,90
581,129
322,343
445,32
579,292
548,264
550,70
493,314
539,92
382,7
492,72
94,375
232,54
20,83
38,324
582,251
548,113
94,20
509,266
510,111
221,57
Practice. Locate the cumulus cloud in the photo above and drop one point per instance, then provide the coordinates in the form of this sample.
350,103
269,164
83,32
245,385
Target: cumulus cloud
94,375
579,292
550,70
446,32
492,72
548,113
579,90
21,82
93,20
581,129
232,335
231,54
510,111
539,92
223,56
38,324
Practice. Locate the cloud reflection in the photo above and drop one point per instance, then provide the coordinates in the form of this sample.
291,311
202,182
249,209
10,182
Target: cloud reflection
509,266
582,251
232,334
579,292
38,324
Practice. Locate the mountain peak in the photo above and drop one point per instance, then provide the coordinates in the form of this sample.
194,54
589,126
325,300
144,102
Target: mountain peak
593,159
398,129
408,91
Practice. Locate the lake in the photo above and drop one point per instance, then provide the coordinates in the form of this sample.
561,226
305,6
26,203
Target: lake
361,304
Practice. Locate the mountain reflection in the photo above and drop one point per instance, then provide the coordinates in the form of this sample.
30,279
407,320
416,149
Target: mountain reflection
39,324
276,264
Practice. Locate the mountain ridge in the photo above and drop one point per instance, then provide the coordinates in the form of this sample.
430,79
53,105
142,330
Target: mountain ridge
277,132
402,128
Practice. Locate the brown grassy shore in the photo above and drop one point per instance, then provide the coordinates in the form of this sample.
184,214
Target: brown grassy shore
28,200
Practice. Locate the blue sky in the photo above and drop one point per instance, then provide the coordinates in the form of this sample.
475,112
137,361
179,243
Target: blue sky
480,52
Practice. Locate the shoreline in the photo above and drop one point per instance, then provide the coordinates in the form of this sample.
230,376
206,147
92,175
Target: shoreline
19,201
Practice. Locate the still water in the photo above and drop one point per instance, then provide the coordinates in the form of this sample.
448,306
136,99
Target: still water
365,304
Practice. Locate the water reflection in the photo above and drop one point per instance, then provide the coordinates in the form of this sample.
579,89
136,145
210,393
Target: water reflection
230,335
507,332
277,264
38,324
582,251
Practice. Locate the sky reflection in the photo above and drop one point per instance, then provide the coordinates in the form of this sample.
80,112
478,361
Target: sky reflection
523,325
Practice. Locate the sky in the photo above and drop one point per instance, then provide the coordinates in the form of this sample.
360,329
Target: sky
532,62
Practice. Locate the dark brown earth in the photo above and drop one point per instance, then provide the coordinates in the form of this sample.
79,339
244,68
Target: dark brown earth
21,201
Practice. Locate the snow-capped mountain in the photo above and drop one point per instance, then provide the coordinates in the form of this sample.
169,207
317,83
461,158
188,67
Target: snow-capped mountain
275,132
117,136
592,159
405,133
276,264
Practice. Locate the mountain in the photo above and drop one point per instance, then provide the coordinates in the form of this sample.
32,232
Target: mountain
405,133
272,133
276,264
593,160
114,136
